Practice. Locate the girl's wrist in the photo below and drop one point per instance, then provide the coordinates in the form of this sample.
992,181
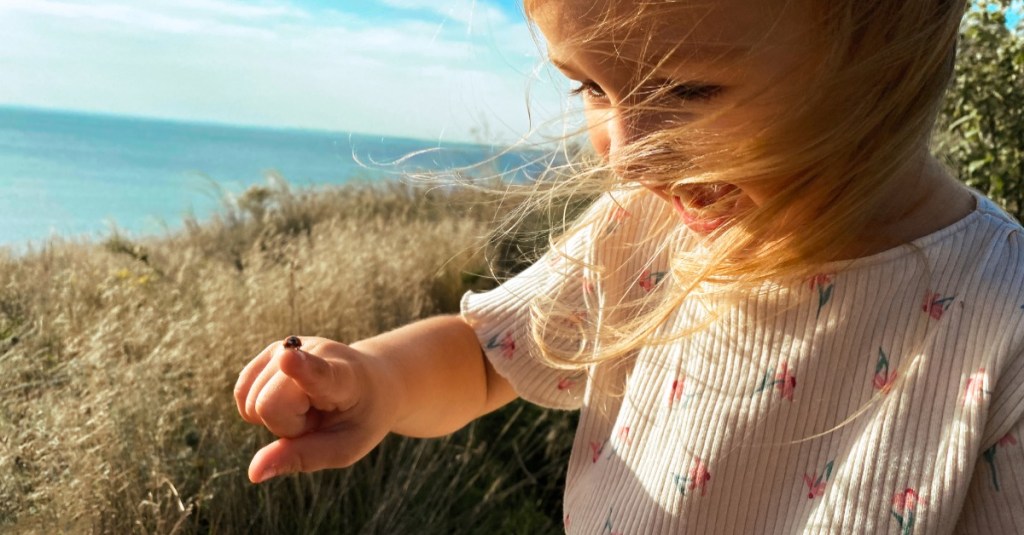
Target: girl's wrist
384,383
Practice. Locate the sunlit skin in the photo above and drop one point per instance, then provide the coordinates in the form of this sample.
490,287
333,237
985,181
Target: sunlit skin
729,50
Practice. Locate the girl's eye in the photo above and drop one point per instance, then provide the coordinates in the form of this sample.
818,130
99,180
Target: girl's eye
691,92
588,89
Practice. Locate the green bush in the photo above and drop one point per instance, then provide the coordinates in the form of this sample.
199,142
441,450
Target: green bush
982,126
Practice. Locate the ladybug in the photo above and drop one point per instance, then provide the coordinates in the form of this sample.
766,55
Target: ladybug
292,342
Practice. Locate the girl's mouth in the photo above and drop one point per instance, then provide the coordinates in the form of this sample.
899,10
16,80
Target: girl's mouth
693,202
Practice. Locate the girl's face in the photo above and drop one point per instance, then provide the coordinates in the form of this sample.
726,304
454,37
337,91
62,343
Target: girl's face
733,58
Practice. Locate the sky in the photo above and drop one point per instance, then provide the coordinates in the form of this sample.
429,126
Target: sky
451,70
1014,15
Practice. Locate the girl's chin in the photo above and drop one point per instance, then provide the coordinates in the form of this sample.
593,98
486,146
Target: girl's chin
700,226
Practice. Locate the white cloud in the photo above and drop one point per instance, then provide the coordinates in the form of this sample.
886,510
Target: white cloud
468,12
184,17
272,63
224,8
238,10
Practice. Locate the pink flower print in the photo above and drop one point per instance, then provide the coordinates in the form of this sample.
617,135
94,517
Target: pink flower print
821,280
699,477
783,381
904,509
990,457
823,283
595,449
574,319
1007,440
696,478
676,393
649,280
907,500
976,388
567,383
507,345
935,304
816,484
786,383
587,285
624,438
618,216
883,377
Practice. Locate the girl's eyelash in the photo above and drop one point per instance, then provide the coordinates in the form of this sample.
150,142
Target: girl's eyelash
589,89
681,91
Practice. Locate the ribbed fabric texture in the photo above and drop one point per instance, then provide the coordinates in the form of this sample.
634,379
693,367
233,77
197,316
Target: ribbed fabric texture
717,432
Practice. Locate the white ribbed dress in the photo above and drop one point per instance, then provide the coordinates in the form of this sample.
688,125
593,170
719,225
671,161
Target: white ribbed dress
715,432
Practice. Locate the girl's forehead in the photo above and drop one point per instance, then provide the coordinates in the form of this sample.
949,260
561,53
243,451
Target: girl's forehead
629,26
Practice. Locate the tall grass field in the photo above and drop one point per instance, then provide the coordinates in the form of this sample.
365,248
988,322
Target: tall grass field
118,360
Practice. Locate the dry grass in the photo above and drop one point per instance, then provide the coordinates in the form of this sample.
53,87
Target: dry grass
118,360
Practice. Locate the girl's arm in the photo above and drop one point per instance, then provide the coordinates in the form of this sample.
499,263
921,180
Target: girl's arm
332,403
441,373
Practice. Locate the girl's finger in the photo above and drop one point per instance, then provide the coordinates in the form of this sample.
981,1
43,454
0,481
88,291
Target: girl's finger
330,384
284,408
246,378
258,384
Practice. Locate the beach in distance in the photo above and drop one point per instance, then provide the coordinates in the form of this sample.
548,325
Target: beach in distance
76,174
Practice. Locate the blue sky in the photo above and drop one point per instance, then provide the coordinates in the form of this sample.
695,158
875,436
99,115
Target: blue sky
435,69
1013,17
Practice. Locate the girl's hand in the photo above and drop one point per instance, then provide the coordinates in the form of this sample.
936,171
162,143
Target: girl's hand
329,403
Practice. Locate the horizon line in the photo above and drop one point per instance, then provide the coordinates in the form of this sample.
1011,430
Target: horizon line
105,114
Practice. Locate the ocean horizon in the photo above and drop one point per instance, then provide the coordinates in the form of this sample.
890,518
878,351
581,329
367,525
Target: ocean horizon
81,175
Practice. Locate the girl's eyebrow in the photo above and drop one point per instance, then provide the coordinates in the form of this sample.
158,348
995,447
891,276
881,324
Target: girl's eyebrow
560,64
710,52
701,53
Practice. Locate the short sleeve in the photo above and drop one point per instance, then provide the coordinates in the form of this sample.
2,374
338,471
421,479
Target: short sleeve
995,498
609,265
608,258
501,319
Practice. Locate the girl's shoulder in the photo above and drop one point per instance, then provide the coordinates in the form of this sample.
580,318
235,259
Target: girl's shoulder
993,213
979,258
994,242
987,236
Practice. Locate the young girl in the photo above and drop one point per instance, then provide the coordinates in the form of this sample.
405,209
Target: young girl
782,314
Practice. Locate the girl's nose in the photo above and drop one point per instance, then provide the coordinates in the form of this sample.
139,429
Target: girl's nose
624,129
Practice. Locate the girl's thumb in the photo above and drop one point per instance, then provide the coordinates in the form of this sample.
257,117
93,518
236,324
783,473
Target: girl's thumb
308,453
275,459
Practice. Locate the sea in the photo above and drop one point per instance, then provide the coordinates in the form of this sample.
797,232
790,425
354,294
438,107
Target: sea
85,176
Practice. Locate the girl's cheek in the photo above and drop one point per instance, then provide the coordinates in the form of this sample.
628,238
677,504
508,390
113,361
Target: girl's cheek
598,131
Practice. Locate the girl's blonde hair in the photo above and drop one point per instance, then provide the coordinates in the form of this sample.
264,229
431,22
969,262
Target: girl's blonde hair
876,74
